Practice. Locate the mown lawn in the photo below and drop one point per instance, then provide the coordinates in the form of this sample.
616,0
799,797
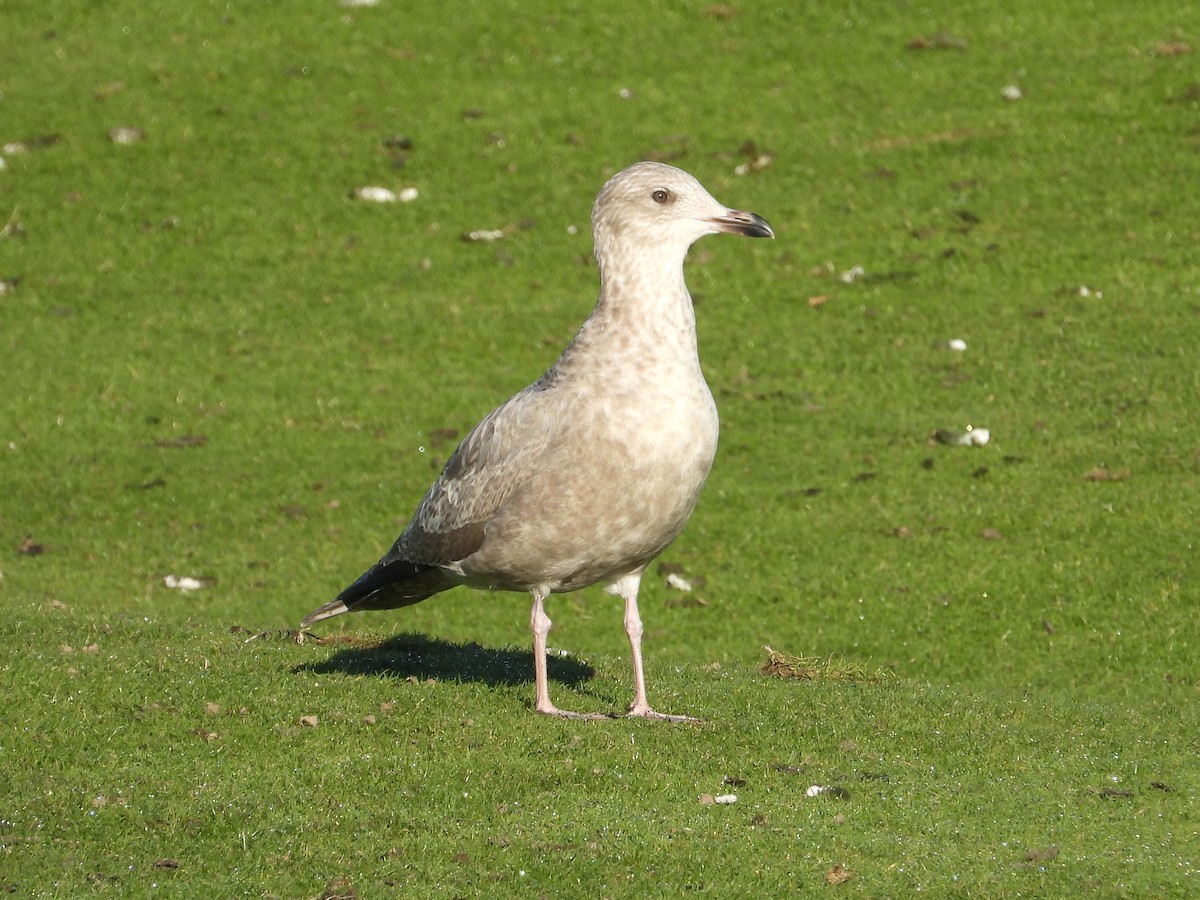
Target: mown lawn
217,363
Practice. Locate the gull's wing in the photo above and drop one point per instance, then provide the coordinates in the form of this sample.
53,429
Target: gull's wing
500,455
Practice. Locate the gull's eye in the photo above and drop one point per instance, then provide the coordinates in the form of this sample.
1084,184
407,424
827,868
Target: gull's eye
660,196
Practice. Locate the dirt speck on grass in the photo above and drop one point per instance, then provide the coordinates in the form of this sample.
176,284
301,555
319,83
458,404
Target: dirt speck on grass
440,437
789,769
30,547
723,11
182,442
939,41
686,601
839,874
1101,473
1172,48
339,889
950,136
1041,854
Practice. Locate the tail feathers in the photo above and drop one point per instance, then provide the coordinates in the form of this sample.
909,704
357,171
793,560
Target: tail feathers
389,584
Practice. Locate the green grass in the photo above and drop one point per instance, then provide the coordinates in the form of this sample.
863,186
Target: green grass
1007,647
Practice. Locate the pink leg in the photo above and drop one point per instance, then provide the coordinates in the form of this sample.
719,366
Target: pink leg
627,587
540,623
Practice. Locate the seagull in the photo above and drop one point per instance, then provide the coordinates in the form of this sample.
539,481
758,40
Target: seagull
589,473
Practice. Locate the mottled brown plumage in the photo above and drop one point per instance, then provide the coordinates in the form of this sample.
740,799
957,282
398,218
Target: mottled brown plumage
591,471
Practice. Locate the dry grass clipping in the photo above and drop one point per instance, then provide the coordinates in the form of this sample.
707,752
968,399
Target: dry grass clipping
812,668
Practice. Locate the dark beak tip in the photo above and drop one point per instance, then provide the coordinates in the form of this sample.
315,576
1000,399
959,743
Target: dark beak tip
747,224
760,227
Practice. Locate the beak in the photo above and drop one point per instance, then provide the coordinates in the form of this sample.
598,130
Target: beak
746,223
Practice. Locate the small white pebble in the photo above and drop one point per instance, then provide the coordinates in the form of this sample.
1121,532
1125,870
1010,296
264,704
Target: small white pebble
125,135
484,235
678,582
1010,92
759,163
853,274
814,790
725,799
976,437
572,229
408,194
375,194
958,345
182,583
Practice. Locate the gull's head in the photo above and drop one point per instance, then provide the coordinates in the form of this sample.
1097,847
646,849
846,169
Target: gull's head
655,205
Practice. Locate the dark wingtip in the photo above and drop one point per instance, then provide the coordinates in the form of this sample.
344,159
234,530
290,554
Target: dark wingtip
330,609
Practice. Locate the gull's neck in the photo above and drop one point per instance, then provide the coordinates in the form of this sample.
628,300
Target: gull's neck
644,313
643,290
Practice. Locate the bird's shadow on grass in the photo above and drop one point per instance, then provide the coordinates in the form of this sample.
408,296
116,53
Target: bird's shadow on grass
417,656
